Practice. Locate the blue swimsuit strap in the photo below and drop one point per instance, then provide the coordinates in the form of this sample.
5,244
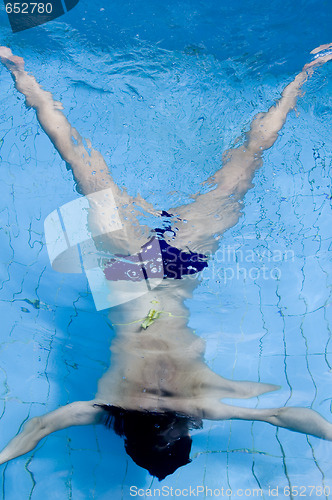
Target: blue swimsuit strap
156,259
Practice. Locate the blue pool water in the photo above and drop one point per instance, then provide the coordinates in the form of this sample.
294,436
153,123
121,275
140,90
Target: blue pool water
162,89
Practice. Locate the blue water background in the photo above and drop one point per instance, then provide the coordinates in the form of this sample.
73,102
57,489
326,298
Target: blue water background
162,89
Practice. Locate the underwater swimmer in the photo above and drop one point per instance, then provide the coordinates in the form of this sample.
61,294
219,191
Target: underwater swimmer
158,386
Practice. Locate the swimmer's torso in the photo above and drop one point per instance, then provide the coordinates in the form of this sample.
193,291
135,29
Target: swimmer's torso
160,367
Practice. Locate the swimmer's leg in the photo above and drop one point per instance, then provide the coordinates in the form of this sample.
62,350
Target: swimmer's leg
65,138
302,420
89,169
35,429
214,212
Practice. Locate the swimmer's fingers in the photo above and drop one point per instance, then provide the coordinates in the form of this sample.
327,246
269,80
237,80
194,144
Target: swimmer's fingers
303,420
35,429
25,441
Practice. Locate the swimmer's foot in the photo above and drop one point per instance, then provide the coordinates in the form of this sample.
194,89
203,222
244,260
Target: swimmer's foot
10,61
322,54
326,46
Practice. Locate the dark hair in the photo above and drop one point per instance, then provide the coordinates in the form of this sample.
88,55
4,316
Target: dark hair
158,442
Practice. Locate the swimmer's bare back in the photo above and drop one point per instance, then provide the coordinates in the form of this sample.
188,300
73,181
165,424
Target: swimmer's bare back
173,354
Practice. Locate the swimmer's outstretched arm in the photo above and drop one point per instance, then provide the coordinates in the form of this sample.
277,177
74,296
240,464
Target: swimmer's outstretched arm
78,413
214,212
302,420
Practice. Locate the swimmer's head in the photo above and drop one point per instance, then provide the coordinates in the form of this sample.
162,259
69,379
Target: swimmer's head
158,442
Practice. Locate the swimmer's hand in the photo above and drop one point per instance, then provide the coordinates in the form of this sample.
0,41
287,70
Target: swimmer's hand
35,429
303,420
32,433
